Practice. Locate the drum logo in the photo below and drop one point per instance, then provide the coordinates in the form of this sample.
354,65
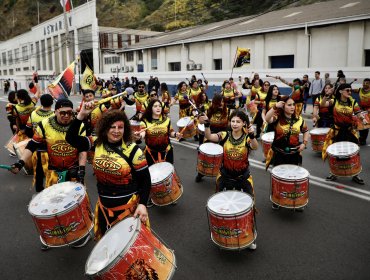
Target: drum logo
62,149
160,257
206,164
227,232
61,231
292,195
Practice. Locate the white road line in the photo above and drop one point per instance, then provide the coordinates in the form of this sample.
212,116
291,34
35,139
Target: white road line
344,189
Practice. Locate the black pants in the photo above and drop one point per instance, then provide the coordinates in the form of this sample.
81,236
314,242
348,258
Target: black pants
39,178
363,136
259,122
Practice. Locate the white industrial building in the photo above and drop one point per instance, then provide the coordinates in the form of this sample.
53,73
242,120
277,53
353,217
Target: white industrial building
324,36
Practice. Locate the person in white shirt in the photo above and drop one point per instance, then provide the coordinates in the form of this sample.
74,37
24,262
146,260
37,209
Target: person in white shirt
316,87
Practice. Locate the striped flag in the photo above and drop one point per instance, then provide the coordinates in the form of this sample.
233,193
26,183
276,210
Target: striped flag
62,86
243,56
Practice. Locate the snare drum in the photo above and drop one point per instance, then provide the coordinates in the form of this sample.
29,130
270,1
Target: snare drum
19,150
344,159
360,125
62,214
200,128
10,144
231,219
318,136
166,186
135,126
130,251
187,127
267,140
209,159
289,186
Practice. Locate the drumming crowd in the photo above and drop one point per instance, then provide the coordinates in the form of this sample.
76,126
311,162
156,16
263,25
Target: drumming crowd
57,145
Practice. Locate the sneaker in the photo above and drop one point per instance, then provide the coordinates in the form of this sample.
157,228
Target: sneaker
275,206
198,178
331,178
358,180
82,242
149,204
44,247
253,246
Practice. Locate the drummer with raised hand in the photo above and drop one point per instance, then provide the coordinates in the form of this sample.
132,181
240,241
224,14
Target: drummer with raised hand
343,107
234,172
120,167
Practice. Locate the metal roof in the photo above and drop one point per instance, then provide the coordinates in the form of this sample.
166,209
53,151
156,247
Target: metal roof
320,13
106,29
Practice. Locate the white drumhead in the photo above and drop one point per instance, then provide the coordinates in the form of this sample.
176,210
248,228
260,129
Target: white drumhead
343,148
268,137
112,244
201,127
56,199
160,171
184,121
290,172
211,149
134,123
320,131
229,203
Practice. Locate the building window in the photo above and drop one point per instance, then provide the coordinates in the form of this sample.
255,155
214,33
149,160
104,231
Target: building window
4,58
116,60
137,38
367,58
24,53
10,57
153,60
16,56
5,72
281,61
107,60
43,54
174,66
11,72
217,64
129,56
140,55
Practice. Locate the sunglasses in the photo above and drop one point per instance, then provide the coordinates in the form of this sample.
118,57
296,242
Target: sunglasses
66,113
141,87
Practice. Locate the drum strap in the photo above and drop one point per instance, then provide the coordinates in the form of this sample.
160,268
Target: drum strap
127,210
147,149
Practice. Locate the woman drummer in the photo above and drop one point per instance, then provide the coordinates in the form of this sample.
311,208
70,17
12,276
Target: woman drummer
229,95
156,129
202,105
286,148
237,144
273,96
343,107
182,96
120,167
323,116
166,97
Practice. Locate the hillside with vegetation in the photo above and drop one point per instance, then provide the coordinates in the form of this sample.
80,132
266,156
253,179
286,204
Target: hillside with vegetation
18,16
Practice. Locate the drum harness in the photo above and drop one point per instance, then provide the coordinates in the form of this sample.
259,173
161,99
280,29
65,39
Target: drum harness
130,206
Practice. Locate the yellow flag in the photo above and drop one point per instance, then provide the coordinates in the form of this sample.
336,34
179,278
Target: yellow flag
88,80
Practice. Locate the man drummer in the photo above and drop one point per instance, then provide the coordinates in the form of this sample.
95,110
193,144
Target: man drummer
65,162
141,96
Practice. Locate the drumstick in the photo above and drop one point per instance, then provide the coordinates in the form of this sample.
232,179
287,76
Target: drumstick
183,129
7,167
203,76
270,76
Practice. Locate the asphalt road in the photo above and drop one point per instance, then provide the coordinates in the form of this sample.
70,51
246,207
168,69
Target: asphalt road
329,240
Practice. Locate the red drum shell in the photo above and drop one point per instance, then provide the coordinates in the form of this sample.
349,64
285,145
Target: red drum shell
318,136
209,159
231,231
127,249
189,125
344,159
267,140
166,185
59,227
289,186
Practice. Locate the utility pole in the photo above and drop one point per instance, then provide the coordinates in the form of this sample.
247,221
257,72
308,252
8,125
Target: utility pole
66,25
38,12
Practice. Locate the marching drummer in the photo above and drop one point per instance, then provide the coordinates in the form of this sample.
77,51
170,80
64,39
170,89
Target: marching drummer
120,167
323,116
65,162
141,96
182,96
364,94
237,144
344,107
